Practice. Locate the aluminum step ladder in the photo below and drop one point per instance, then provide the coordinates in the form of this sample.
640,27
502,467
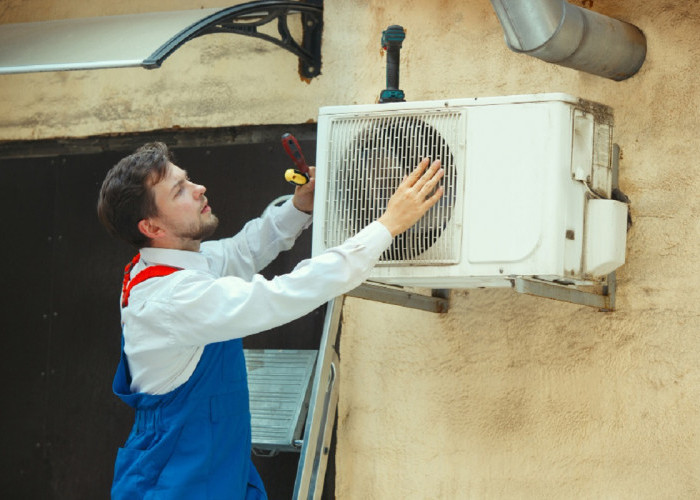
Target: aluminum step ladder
279,386
295,390
291,390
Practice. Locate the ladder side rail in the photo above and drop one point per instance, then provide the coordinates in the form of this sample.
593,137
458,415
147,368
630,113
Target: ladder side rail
315,415
324,439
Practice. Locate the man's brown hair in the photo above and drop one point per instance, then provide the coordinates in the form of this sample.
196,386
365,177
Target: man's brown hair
126,196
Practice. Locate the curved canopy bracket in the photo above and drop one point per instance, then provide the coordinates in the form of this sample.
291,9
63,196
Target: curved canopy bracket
245,19
146,40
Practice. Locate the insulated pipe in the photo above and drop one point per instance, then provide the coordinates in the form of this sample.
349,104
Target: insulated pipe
571,36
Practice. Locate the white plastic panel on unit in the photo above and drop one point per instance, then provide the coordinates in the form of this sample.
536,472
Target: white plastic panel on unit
606,230
574,229
505,183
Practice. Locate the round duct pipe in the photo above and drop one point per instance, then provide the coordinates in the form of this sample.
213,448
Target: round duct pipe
564,34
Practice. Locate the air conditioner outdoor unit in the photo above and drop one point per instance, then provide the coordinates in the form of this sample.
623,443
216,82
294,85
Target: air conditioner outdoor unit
528,185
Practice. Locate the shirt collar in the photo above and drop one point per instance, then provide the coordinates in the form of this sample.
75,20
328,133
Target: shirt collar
183,259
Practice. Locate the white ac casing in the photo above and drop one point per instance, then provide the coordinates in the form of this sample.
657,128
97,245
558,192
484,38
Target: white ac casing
528,182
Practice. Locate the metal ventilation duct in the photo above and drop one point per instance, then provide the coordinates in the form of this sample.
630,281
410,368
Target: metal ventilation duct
571,36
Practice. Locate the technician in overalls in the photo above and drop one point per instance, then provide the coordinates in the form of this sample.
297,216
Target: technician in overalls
187,304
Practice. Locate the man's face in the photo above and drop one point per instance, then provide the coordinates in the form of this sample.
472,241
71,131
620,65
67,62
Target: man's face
183,213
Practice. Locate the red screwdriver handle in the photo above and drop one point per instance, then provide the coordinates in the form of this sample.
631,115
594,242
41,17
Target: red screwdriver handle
291,146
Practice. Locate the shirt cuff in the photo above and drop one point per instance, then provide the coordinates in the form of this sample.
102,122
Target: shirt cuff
375,236
290,216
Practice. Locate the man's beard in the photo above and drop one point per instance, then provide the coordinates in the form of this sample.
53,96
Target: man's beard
201,231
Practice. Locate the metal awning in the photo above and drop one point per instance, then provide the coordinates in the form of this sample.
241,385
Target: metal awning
146,40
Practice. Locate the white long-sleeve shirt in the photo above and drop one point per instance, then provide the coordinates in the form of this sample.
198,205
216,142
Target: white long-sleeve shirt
218,296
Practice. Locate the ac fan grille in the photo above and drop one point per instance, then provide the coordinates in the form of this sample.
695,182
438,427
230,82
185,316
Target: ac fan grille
369,157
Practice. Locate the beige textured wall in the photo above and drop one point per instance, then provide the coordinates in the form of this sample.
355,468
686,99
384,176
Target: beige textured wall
510,396
505,396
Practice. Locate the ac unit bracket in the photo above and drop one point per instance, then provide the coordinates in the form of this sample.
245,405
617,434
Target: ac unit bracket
437,301
602,296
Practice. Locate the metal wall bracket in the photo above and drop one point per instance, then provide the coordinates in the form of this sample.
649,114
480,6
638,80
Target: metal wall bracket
437,302
601,296
246,18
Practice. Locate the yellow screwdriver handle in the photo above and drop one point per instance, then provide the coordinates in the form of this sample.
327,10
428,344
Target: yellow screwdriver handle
293,176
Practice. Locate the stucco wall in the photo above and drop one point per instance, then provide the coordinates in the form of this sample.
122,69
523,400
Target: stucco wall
505,396
510,396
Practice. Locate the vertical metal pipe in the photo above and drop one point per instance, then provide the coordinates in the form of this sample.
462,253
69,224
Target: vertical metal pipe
558,32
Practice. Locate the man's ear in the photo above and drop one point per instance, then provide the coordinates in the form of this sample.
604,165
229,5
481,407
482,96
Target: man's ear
150,229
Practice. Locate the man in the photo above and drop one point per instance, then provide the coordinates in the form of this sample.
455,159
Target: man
187,304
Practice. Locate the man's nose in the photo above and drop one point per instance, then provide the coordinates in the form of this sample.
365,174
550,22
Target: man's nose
199,190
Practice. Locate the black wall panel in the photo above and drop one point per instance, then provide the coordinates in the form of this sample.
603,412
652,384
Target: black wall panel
60,318
25,323
85,419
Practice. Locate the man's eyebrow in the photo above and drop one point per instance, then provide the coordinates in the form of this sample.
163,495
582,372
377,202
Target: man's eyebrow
180,181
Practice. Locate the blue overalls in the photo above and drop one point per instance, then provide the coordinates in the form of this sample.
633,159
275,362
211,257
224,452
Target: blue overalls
193,442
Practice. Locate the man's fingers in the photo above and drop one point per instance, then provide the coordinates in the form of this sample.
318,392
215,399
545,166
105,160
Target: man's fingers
432,200
435,174
428,174
418,172
426,185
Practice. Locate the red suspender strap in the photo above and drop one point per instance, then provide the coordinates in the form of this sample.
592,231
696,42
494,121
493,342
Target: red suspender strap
149,272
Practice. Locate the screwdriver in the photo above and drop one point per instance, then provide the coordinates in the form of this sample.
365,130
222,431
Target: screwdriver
299,175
